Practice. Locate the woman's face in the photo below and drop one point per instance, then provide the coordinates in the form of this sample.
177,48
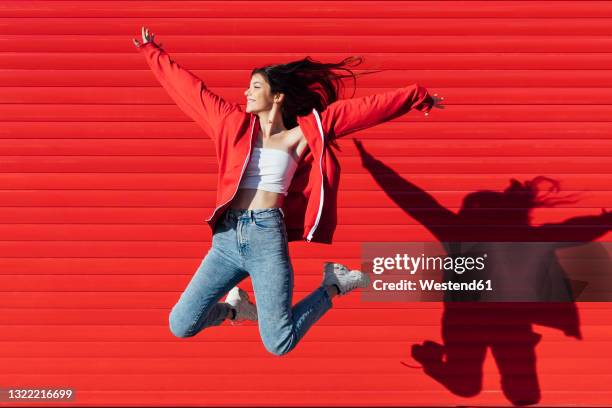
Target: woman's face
259,97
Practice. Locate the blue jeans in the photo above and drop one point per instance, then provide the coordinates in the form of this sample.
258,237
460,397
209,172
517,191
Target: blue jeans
249,242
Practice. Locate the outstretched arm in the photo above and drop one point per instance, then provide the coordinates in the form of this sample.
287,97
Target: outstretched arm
420,205
349,115
187,90
581,229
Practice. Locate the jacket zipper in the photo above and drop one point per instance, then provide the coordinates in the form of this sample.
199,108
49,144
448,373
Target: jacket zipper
316,224
241,173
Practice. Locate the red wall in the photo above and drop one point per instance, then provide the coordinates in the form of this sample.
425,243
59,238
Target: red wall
105,186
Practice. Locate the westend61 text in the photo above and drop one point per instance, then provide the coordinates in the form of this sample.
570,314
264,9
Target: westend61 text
430,284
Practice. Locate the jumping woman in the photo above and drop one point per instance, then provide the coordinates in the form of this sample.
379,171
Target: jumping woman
277,182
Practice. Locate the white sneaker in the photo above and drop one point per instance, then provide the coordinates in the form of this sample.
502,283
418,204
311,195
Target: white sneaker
239,300
345,279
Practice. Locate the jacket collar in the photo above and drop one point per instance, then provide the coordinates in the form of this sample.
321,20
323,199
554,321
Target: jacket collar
312,129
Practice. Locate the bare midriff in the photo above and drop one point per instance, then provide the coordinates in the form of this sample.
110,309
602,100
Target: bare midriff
251,199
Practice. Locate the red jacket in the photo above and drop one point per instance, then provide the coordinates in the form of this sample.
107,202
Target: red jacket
310,205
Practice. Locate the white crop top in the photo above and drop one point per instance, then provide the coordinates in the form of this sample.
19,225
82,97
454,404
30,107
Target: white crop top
269,170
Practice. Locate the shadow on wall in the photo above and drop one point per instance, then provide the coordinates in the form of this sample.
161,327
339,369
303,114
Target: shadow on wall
470,327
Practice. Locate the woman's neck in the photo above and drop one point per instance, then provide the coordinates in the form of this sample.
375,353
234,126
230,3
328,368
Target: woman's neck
275,127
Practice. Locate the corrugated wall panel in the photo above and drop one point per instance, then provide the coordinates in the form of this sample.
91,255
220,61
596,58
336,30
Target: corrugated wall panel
105,185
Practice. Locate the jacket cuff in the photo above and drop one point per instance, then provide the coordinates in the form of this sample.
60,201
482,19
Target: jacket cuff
426,104
147,45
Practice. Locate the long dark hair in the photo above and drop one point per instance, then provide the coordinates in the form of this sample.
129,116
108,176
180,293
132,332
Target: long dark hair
308,84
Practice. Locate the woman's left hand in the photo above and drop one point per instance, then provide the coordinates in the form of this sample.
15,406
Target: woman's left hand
437,103
146,38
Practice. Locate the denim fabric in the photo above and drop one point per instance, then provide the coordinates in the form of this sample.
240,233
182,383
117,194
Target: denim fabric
249,242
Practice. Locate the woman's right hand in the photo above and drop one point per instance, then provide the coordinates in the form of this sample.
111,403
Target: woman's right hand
146,37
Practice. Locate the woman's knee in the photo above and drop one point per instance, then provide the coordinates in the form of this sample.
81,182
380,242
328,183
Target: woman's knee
277,350
179,325
279,342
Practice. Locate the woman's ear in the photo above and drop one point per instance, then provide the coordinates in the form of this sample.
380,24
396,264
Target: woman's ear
279,98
